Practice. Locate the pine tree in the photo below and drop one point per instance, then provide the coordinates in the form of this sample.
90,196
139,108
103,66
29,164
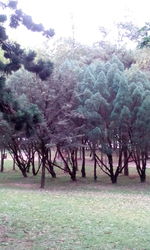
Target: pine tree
104,104
139,133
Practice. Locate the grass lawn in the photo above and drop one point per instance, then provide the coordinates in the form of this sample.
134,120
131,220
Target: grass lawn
66,215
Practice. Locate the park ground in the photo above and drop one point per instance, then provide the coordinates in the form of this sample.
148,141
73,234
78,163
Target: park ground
74,216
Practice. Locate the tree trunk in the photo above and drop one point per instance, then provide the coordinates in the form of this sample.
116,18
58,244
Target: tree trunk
83,163
28,168
113,176
2,160
113,179
73,173
143,177
51,170
49,162
95,162
143,174
20,165
23,171
73,176
43,173
33,170
33,166
126,169
74,167
43,165
141,164
95,168
76,159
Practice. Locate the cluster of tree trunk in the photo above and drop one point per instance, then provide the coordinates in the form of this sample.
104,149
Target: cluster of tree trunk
35,158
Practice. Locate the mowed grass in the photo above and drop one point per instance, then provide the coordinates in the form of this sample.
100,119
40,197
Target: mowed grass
81,215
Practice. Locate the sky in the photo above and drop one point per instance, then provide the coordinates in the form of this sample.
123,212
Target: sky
82,18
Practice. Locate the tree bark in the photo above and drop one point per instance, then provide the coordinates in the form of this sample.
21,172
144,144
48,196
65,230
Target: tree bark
23,171
43,173
2,160
126,169
83,163
95,164
43,160
74,167
51,170
76,159
143,177
113,179
113,176
49,162
73,176
14,164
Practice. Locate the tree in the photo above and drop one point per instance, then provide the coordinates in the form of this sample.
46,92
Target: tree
19,118
24,83
103,96
55,100
139,122
16,57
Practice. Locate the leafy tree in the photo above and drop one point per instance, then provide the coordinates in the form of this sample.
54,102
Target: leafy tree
38,92
55,100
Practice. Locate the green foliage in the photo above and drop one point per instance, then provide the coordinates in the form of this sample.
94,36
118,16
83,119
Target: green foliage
105,93
116,110
13,58
121,101
104,103
145,38
115,60
43,69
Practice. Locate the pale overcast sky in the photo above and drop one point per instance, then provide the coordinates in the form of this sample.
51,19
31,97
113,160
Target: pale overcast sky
86,15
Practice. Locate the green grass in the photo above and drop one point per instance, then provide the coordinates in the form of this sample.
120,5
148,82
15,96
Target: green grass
66,215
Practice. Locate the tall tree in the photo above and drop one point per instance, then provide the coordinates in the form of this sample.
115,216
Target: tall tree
102,96
139,123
